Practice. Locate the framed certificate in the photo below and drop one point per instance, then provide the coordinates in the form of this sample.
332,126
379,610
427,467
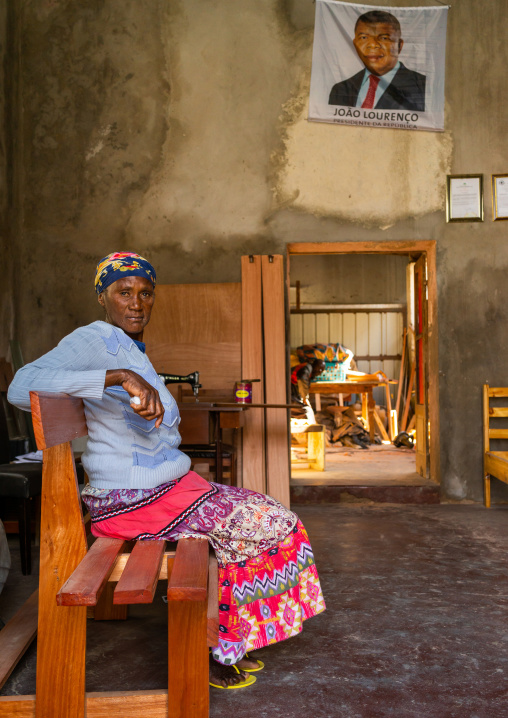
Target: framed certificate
464,198
499,197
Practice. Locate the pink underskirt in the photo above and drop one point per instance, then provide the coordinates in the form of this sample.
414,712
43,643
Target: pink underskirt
158,515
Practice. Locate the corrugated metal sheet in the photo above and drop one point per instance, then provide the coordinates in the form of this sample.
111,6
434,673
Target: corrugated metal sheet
367,334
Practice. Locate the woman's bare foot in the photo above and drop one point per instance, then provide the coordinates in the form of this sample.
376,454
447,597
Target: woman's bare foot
247,664
225,675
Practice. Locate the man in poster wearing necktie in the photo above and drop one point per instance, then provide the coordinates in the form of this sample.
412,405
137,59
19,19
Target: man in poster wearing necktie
385,83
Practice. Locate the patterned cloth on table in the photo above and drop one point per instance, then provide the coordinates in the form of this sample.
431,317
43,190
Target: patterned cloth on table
268,582
325,352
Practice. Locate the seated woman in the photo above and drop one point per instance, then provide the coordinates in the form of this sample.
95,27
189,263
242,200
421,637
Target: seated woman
141,486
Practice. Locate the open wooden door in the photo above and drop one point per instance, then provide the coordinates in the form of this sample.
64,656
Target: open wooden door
421,354
266,433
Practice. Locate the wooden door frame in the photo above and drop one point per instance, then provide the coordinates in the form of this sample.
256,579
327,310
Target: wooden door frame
414,248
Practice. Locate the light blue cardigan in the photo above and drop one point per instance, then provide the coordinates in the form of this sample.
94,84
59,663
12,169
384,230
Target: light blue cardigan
124,451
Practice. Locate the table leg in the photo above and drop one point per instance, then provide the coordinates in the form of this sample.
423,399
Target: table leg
389,412
371,407
218,448
365,410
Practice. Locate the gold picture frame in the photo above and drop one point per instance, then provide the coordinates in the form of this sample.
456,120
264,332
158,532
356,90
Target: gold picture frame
464,198
499,197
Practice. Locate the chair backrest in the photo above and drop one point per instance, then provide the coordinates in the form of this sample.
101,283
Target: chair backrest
4,432
9,426
493,412
57,418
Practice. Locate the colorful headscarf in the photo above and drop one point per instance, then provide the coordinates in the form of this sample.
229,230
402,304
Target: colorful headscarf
122,264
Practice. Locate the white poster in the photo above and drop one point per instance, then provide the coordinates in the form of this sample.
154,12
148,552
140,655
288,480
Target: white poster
379,66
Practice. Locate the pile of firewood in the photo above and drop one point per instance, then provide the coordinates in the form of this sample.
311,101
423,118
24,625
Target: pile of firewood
343,426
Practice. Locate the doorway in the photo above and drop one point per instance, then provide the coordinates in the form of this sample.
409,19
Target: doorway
380,299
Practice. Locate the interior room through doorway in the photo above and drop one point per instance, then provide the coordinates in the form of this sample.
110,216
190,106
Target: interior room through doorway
363,302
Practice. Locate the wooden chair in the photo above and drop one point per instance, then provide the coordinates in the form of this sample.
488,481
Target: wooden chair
73,578
495,463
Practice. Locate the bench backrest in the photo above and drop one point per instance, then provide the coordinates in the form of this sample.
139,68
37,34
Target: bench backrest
493,412
57,418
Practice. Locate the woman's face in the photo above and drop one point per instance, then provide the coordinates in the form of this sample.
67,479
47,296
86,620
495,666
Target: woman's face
128,303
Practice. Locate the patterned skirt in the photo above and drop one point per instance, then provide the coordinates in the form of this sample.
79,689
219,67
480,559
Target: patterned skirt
268,582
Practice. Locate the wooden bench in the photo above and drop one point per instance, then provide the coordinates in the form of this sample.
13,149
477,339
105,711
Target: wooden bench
495,463
73,578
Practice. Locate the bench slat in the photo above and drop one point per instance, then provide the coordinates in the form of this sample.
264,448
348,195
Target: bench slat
498,412
498,433
189,577
496,464
84,585
121,562
138,581
498,391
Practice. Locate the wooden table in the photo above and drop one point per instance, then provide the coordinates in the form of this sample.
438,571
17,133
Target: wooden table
224,415
352,387
229,416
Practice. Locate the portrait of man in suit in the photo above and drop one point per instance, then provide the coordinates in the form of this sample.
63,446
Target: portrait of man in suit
385,83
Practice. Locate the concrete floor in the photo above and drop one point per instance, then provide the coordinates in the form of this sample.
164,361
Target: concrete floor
416,626
380,474
379,465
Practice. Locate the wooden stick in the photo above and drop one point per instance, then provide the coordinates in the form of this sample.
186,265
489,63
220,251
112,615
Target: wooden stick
401,373
393,424
391,436
380,426
408,398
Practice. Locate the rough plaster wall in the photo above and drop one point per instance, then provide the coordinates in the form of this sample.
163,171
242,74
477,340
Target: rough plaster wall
399,174
175,129
93,90
229,70
473,258
362,175
146,126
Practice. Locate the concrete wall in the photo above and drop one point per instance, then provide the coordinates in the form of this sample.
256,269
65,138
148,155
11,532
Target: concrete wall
178,130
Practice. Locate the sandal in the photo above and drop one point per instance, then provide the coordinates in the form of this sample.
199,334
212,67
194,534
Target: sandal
249,681
260,667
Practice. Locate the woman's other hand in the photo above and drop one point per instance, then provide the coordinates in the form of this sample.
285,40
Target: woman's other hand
150,406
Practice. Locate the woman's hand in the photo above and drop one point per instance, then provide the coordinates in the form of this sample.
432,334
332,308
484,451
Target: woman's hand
150,406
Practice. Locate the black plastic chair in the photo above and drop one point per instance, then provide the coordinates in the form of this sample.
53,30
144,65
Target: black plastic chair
20,482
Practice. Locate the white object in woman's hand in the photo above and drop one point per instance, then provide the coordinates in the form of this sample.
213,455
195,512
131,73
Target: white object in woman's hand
135,400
